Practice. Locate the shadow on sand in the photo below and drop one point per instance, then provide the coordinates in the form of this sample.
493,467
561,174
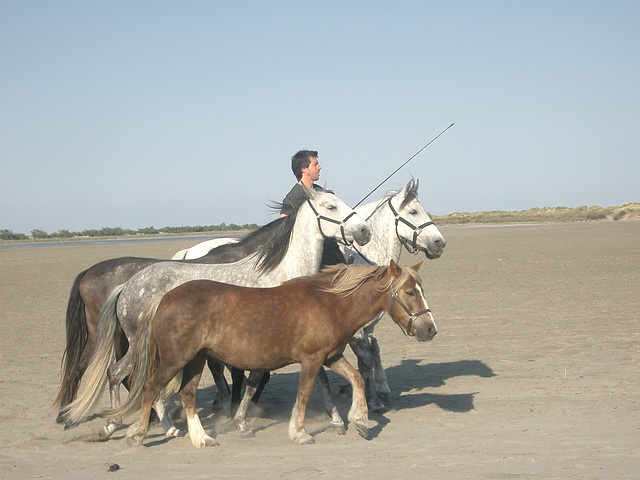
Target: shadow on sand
406,381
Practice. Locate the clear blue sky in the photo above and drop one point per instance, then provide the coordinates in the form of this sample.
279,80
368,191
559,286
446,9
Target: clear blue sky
161,113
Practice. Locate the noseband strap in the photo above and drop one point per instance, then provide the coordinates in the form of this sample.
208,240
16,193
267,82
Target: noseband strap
412,247
412,316
332,220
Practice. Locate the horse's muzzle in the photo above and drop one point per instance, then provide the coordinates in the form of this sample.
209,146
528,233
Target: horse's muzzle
425,331
364,236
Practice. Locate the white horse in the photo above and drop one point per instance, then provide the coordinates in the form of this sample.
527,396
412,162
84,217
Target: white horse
294,250
202,248
398,220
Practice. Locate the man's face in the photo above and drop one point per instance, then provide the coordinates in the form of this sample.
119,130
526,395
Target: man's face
313,170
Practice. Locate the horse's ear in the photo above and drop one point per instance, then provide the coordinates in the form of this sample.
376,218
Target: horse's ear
394,268
417,266
310,192
411,186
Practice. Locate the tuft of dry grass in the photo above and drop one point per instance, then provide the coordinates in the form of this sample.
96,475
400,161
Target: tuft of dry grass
543,215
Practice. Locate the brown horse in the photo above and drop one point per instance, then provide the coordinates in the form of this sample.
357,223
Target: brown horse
307,320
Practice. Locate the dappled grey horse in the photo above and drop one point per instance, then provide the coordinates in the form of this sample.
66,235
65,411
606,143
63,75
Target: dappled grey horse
295,250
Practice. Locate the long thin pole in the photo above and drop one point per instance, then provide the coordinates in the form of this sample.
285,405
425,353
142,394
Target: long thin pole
396,170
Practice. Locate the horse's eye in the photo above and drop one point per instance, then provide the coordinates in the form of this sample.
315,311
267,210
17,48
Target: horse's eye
410,293
332,207
413,212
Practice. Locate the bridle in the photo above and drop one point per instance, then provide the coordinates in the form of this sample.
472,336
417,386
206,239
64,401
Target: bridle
412,247
412,316
332,220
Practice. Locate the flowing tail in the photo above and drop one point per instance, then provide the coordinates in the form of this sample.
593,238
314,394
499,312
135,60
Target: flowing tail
103,357
180,255
143,362
76,328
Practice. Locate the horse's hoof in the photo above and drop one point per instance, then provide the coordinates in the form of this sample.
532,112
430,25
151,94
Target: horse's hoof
363,429
247,434
384,397
172,432
305,440
106,431
210,442
135,441
205,442
377,407
339,428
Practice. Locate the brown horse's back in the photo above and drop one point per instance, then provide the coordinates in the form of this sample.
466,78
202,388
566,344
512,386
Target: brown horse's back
249,328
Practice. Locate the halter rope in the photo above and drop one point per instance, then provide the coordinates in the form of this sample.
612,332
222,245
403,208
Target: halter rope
332,220
416,230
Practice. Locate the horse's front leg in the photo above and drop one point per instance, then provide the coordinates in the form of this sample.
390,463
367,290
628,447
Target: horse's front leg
308,373
329,404
358,413
240,417
360,345
222,402
237,380
380,383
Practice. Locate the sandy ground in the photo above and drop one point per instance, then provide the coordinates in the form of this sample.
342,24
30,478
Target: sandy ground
534,373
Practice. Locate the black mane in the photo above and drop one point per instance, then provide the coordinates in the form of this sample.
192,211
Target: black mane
250,243
271,253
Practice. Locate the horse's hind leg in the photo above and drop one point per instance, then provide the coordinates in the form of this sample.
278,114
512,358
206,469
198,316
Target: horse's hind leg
116,373
151,391
329,404
192,372
358,413
169,428
240,417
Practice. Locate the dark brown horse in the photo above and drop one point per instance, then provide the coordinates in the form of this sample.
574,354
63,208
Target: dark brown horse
307,320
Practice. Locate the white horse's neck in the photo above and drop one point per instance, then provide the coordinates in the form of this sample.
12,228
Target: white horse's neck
305,249
385,244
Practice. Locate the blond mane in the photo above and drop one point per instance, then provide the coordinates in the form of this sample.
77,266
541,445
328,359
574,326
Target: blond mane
348,278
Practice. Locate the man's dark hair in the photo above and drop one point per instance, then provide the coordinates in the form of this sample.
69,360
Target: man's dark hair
301,160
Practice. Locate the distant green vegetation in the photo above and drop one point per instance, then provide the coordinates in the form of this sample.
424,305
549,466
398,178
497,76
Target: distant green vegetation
534,215
121,232
543,215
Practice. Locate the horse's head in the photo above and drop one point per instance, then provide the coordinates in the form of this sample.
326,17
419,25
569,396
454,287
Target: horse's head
409,307
414,227
336,219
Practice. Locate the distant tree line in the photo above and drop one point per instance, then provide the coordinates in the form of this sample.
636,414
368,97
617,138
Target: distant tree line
119,232
533,215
